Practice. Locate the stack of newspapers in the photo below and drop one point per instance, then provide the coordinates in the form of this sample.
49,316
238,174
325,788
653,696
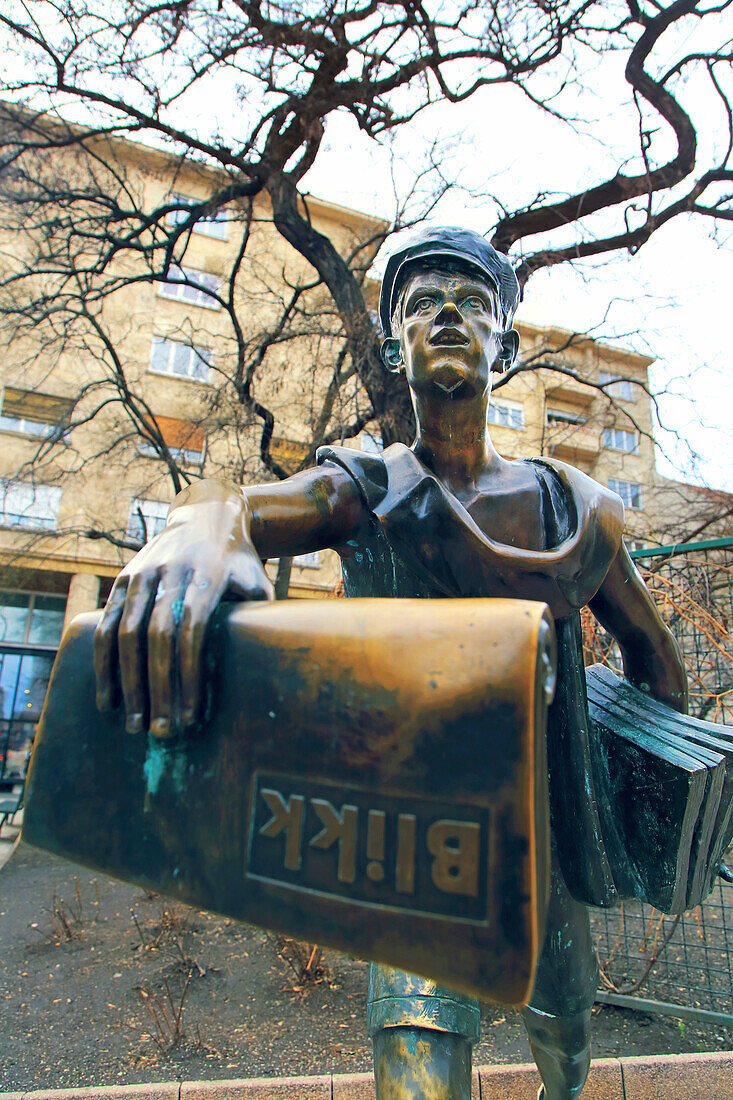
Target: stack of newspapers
664,788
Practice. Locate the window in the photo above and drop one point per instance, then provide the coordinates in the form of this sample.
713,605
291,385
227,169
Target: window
308,561
560,416
371,442
633,545
31,618
197,295
506,414
305,561
184,440
25,505
619,439
211,225
629,491
288,453
147,519
23,682
30,413
616,386
179,359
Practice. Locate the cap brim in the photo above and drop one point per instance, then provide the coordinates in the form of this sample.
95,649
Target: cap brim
392,275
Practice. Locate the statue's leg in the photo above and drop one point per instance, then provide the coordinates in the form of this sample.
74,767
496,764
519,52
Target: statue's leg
422,1035
557,1018
561,1050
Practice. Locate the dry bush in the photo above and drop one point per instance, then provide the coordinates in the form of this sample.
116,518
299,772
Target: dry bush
305,960
69,918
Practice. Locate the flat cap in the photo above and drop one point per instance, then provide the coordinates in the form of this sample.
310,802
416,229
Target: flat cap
448,242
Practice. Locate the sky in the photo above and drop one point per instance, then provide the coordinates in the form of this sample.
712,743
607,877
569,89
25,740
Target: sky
671,300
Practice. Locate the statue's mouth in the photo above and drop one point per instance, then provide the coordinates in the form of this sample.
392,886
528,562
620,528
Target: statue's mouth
448,338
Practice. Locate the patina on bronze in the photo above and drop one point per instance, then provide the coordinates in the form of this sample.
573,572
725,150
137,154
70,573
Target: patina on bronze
348,790
447,517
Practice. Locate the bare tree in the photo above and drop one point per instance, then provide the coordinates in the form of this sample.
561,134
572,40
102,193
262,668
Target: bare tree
83,78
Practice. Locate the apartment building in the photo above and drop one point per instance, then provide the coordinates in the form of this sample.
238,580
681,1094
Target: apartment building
73,503
602,425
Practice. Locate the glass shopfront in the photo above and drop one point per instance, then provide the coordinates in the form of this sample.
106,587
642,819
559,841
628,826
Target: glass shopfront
30,631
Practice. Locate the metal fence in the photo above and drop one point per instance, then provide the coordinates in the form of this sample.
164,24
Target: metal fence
680,966
692,584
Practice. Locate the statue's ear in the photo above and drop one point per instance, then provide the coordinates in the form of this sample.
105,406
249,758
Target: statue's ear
392,355
509,349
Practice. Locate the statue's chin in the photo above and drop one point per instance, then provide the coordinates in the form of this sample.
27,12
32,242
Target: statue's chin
447,379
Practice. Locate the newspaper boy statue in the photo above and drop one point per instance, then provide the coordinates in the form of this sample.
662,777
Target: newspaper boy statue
445,517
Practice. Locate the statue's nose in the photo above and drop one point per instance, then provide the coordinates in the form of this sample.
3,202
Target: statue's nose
448,314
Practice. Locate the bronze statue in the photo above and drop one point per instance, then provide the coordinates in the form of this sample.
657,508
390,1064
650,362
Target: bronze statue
445,517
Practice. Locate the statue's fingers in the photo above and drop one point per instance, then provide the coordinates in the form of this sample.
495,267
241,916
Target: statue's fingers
201,601
132,642
248,579
164,634
105,648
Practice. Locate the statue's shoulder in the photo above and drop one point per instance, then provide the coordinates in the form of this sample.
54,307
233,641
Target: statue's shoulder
587,494
367,469
596,512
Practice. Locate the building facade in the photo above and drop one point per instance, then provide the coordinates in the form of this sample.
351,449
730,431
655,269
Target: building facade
98,429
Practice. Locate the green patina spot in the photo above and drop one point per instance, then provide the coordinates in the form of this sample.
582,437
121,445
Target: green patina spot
163,760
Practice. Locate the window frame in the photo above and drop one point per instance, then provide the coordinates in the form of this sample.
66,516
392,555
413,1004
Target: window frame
510,407
624,387
183,454
634,544
32,595
187,455
33,426
40,523
615,483
133,516
174,291
35,429
218,218
555,418
610,440
193,349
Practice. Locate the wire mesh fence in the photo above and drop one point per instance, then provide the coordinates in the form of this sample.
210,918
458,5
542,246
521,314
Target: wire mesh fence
681,966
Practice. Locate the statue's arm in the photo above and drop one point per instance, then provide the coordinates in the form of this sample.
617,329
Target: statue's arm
149,641
651,656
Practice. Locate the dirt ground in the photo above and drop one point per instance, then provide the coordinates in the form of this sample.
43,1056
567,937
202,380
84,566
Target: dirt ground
103,984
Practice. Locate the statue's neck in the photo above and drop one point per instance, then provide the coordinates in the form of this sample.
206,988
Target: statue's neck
454,442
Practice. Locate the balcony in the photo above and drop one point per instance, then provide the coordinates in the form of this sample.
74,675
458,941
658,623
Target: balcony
561,387
572,442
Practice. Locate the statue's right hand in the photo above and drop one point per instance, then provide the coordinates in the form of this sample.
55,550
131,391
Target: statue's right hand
149,642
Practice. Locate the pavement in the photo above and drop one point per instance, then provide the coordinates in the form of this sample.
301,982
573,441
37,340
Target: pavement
668,1077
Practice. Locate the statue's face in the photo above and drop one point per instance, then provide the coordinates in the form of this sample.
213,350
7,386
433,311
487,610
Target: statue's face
450,334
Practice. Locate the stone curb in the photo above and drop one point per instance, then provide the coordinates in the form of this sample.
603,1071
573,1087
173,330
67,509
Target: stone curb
665,1077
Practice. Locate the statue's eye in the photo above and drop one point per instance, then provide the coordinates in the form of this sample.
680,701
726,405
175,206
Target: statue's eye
423,305
475,303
